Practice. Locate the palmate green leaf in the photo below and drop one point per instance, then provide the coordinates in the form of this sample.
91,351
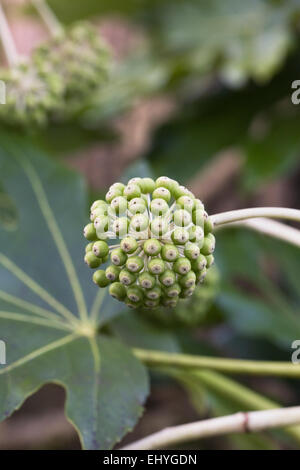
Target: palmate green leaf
50,310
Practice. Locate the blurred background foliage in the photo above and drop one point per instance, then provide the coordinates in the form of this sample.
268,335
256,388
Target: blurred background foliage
200,90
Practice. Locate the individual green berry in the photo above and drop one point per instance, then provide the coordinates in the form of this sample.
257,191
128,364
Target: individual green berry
167,278
170,302
208,225
187,203
119,205
117,291
208,245
182,266
97,204
91,260
210,261
119,186
159,206
182,218
180,236
169,253
132,304
161,193
132,191
129,245
98,212
112,193
196,234
153,293
147,185
126,277
188,292
137,205
199,263
188,280
173,291
146,280
139,222
156,266
100,278
118,257
200,276
89,247
120,226
159,227
150,303
134,264
198,204
152,247
101,224
112,273
100,249
191,251
199,217
89,232
165,182
135,294
136,180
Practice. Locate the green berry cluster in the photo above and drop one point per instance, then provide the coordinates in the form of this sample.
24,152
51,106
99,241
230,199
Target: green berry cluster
79,60
165,242
29,97
192,312
58,80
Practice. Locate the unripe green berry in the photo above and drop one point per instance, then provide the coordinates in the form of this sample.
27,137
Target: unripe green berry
135,294
167,278
101,224
91,260
89,232
119,205
162,193
100,278
153,293
180,236
147,185
131,191
137,205
112,273
89,247
159,227
188,292
134,264
191,251
196,234
139,222
208,245
132,304
182,218
112,194
120,226
173,291
200,276
126,277
169,253
100,249
152,247
119,186
159,206
146,280
98,212
182,266
129,245
198,204
208,225
151,303
170,302
210,261
199,263
188,280
97,204
117,291
199,217
165,182
118,257
185,202
156,266
136,180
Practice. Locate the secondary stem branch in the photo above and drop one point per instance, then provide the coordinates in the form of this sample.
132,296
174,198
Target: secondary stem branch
232,366
243,214
48,17
254,421
271,228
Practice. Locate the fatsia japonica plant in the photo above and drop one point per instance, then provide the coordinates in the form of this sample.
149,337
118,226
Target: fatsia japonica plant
60,327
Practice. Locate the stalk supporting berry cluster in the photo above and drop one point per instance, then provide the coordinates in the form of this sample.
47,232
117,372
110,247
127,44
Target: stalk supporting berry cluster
165,242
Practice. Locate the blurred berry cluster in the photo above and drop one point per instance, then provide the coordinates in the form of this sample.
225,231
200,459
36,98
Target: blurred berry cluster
58,79
165,243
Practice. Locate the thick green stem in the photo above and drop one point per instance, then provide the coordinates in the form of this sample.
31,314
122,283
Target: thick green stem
231,366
